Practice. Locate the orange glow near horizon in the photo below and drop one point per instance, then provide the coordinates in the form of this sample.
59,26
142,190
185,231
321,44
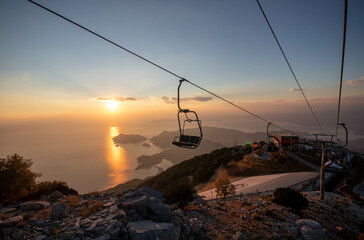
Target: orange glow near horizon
116,158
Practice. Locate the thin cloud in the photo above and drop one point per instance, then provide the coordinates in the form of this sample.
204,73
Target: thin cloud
200,99
171,100
356,82
296,90
118,99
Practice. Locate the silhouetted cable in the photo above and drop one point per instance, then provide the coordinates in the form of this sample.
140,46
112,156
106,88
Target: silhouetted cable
164,69
98,35
289,65
342,67
227,101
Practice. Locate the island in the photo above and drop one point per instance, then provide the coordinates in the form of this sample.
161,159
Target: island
124,138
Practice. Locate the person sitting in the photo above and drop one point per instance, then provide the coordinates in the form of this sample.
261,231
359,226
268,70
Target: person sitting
332,164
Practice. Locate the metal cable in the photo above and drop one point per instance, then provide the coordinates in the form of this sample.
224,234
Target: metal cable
342,67
289,65
164,69
98,35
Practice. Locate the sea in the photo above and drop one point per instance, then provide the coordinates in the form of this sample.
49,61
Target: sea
83,156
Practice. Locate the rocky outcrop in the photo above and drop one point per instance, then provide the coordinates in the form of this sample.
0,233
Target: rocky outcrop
131,214
311,230
134,214
54,196
34,206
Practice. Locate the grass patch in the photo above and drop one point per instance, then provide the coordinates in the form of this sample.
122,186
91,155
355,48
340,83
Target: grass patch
42,214
72,201
92,207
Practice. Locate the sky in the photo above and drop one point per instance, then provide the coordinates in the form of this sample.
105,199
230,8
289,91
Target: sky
50,68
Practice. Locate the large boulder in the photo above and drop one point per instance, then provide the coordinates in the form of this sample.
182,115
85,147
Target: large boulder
311,230
159,212
132,193
34,206
151,230
140,204
54,196
59,211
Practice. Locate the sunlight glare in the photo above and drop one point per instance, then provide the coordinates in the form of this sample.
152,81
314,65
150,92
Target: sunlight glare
117,159
112,104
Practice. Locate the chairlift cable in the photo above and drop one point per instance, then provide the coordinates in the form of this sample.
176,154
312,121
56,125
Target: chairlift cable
237,106
289,65
342,67
98,35
156,65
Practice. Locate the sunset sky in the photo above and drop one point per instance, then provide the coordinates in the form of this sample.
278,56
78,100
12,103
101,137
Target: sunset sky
51,68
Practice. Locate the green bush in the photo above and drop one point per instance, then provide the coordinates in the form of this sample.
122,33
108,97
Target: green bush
16,178
18,182
290,198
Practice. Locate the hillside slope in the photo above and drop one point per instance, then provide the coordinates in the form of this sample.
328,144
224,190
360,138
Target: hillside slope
203,169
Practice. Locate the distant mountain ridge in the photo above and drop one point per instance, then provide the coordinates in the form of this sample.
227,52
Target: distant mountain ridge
213,138
223,136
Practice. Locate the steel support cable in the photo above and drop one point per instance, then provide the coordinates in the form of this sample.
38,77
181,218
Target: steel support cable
290,68
98,35
237,106
160,67
342,67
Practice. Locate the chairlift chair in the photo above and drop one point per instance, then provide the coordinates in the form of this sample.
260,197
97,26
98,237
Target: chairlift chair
273,137
184,140
340,149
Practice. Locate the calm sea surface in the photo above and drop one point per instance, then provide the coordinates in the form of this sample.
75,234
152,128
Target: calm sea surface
84,157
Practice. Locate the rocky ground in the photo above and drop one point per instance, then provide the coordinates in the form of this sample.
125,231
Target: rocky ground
260,218
136,214
131,214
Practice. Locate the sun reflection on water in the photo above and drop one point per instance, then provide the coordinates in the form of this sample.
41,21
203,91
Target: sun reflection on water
116,158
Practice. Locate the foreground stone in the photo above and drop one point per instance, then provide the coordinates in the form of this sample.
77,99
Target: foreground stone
34,206
152,230
311,230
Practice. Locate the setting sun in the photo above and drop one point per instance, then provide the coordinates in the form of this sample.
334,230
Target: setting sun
112,104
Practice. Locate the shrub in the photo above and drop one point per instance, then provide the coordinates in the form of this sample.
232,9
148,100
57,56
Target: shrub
46,188
16,178
224,188
180,195
290,198
280,157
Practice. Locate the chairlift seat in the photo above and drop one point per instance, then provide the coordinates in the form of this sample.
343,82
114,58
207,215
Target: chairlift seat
187,141
337,171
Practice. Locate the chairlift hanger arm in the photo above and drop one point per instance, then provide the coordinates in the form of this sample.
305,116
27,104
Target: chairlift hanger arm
178,96
346,133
